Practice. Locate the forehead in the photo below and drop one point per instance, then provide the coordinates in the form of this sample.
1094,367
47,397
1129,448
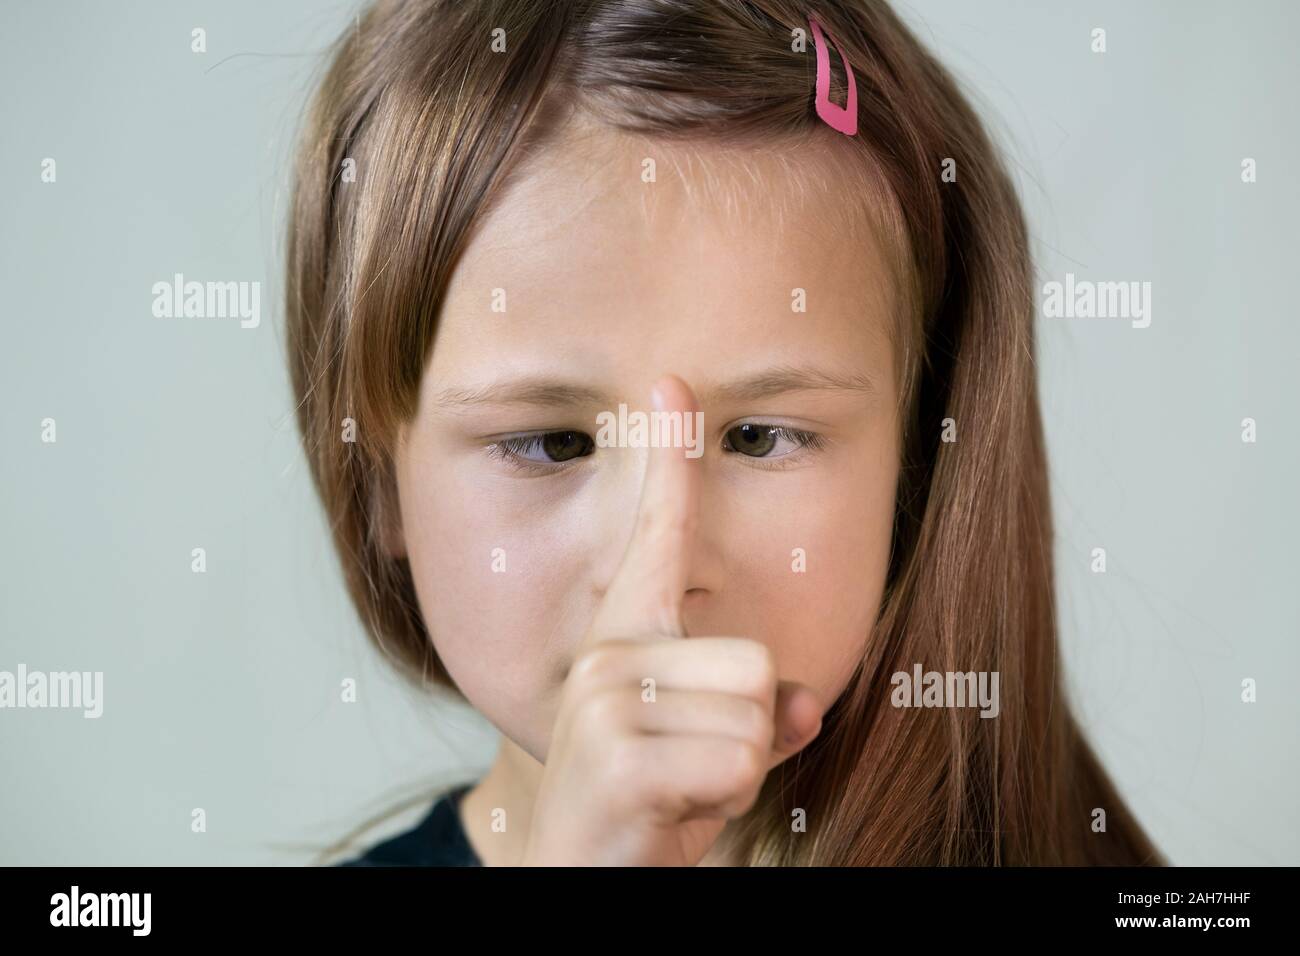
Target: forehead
608,244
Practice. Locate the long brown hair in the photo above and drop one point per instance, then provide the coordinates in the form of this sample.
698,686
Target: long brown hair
435,120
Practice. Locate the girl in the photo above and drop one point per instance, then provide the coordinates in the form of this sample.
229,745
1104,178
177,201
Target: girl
823,634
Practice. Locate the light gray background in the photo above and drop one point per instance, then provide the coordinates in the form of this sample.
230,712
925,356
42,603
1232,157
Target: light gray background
222,689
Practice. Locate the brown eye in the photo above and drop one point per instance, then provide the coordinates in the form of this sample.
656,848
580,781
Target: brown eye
561,446
753,440
757,440
542,451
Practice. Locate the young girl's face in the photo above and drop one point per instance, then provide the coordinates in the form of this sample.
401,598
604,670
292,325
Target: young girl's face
583,286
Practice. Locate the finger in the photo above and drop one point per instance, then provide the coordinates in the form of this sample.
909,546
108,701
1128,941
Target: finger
689,776
646,592
729,665
735,666
796,723
693,672
706,713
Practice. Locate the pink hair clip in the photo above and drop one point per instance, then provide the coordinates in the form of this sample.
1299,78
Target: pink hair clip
843,119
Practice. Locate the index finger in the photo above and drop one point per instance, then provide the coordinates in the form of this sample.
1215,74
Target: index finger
645,595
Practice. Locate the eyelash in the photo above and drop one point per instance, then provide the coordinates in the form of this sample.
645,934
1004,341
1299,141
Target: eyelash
512,449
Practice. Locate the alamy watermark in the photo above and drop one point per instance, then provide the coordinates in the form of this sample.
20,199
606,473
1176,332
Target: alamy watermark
654,429
76,908
208,300
1084,299
946,689
58,689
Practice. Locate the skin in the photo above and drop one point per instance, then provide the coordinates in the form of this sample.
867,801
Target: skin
680,568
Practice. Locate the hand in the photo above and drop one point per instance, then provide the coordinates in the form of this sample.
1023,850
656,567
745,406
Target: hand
630,782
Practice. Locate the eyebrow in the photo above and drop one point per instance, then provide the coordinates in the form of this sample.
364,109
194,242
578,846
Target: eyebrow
551,392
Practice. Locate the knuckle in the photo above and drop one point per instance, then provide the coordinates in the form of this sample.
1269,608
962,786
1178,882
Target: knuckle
681,521
761,666
745,765
664,521
602,711
593,665
759,723
649,523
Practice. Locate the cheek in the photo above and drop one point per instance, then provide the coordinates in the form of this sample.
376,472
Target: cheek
807,579
495,572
